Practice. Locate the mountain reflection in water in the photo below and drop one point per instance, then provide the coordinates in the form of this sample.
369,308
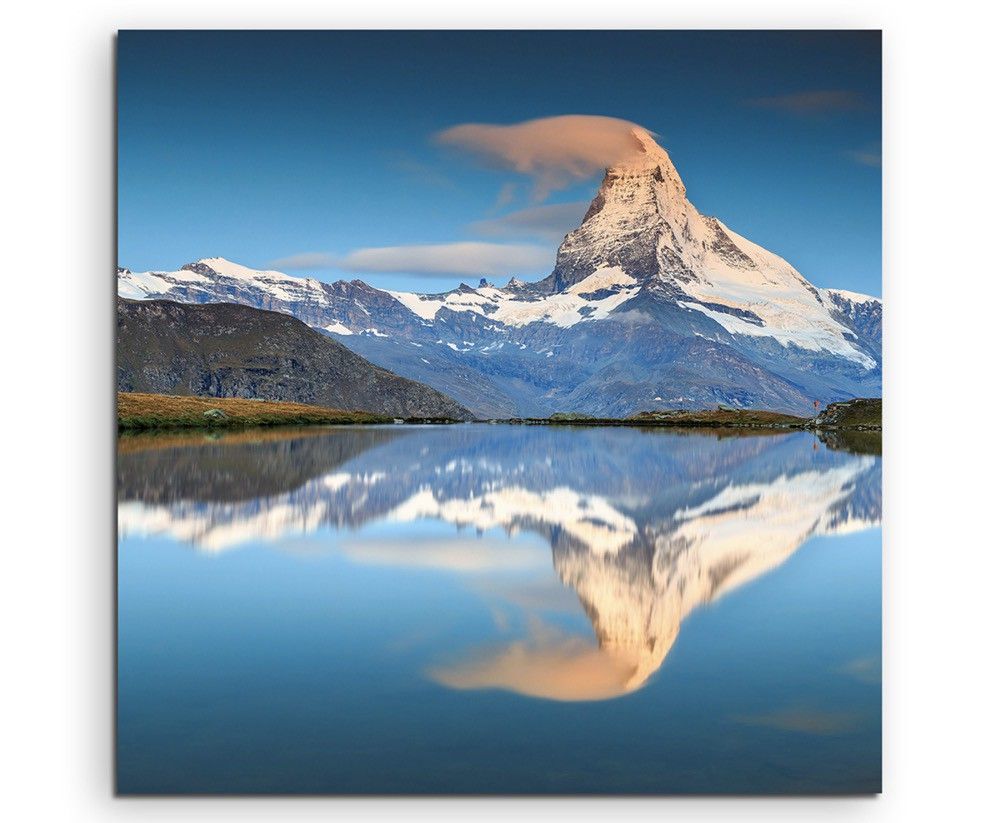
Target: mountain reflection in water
644,526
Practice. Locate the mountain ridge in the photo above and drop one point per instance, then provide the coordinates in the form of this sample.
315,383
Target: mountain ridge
650,305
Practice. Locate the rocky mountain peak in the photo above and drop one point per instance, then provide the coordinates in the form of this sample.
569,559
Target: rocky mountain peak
649,162
221,266
200,267
640,221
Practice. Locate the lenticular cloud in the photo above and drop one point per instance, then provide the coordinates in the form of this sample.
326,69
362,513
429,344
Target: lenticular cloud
555,151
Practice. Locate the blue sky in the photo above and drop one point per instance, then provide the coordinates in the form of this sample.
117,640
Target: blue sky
318,149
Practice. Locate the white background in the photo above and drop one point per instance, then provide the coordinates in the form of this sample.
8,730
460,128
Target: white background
942,325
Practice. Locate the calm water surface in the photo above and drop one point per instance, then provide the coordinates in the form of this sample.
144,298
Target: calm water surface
498,609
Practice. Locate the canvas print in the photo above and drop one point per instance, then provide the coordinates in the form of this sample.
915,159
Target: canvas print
499,412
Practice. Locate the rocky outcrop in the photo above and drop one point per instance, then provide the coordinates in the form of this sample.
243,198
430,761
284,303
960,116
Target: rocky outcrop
863,413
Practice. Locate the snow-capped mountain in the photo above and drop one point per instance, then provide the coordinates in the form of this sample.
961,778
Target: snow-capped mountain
650,305
708,516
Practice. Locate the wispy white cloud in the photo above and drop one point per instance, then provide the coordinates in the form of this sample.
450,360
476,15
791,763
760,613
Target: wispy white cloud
871,156
544,222
864,669
433,260
305,260
804,720
506,195
555,151
450,259
811,103
456,554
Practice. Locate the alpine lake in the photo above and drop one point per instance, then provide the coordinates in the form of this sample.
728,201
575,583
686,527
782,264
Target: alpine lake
498,609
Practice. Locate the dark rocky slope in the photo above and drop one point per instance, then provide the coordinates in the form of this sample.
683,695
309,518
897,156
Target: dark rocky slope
226,350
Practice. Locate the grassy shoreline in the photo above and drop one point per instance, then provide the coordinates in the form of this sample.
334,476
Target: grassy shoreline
861,414
143,412
714,419
146,412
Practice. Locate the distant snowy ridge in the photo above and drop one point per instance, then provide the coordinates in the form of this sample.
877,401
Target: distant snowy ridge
648,299
803,323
